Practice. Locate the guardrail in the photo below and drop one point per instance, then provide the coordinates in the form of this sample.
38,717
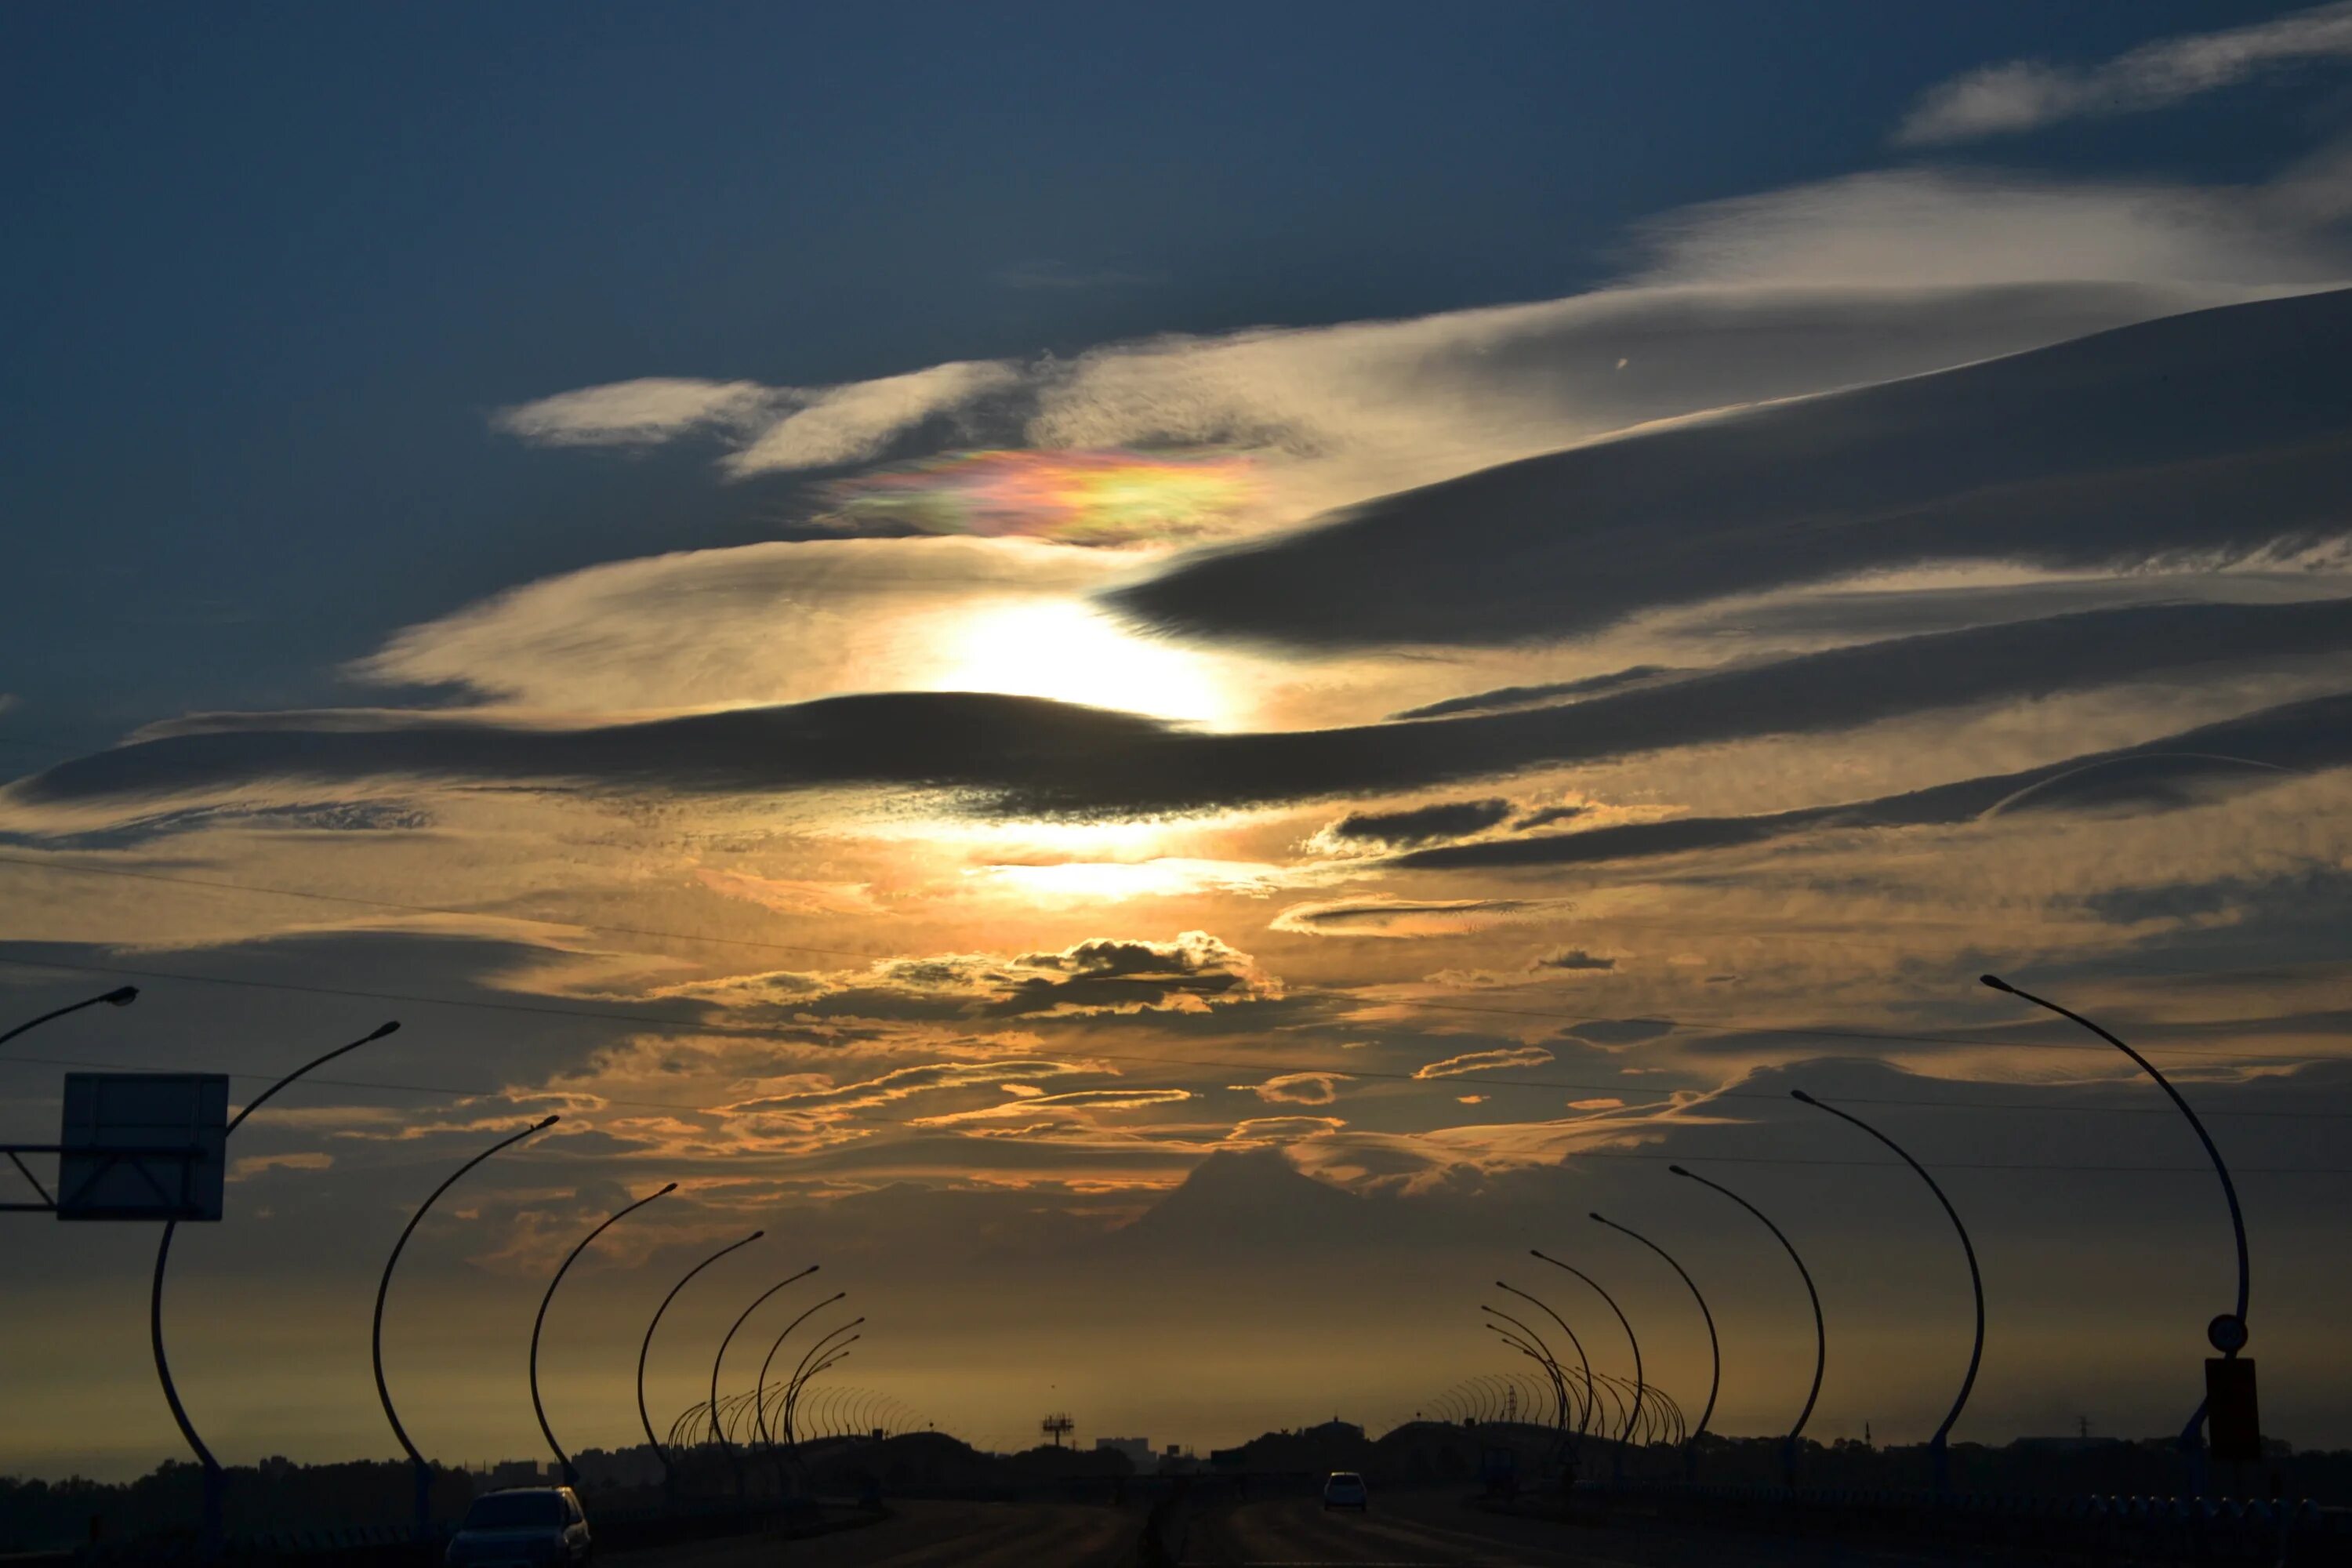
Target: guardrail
2141,1529
402,1546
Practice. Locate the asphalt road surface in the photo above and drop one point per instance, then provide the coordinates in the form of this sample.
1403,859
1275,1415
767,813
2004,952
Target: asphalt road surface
929,1535
1437,1530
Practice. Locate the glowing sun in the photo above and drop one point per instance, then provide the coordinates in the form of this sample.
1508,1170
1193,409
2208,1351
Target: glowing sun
1072,652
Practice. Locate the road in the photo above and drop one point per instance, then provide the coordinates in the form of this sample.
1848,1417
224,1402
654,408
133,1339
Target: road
929,1535
1437,1530
1408,1530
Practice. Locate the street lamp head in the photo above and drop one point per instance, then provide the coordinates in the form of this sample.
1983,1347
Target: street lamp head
121,997
1677,1170
668,1190
547,1122
1596,1215
757,1234
1998,984
1801,1094
389,1026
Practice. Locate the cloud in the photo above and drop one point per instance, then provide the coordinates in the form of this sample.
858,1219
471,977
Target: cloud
1297,1088
902,1082
1575,960
2145,444
644,412
1607,1032
1977,229
1272,1130
1102,976
1391,917
1485,1061
849,424
1026,757
247,1167
1102,499
1417,825
772,622
1548,693
774,428
2026,95
788,895
2183,769
1107,974
1083,1100
1730,303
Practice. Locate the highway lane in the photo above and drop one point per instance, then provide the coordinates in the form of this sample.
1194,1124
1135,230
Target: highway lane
1438,1530
930,1535
1296,1531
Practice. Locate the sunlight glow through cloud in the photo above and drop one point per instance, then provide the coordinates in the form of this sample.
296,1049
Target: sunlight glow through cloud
1071,652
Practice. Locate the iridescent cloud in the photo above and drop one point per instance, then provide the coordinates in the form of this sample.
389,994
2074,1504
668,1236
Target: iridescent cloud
1110,497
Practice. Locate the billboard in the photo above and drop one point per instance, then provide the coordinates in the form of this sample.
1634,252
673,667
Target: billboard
143,1145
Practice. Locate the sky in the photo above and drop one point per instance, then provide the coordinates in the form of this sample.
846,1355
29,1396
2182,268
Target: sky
1163,686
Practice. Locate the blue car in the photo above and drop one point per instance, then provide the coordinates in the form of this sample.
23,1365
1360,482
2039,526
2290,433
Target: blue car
533,1526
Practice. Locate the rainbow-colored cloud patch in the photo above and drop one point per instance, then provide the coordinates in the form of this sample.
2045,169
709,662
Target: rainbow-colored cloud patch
1095,498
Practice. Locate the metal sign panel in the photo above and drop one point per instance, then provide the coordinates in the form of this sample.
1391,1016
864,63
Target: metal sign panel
2230,1411
143,1145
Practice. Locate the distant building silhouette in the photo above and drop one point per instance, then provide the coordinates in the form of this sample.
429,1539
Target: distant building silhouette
1137,1449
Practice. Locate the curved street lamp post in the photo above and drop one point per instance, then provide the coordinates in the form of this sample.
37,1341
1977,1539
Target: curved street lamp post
759,1389
1821,1331
1532,1344
120,996
717,1431
1714,1348
421,1471
818,1401
209,1538
1584,1416
801,1374
571,1477
2227,1333
1529,1351
661,1454
1626,1435
1938,1448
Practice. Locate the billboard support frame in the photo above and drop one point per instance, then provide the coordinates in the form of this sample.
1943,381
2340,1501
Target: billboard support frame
103,1159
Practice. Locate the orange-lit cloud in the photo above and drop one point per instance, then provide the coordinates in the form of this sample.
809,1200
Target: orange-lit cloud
1482,1061
1083,1099
1296,1088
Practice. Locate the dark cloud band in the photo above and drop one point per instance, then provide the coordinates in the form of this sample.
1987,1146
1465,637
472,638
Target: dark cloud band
2216,431
1027,756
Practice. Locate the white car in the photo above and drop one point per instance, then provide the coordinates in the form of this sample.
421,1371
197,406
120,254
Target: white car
1345,1489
